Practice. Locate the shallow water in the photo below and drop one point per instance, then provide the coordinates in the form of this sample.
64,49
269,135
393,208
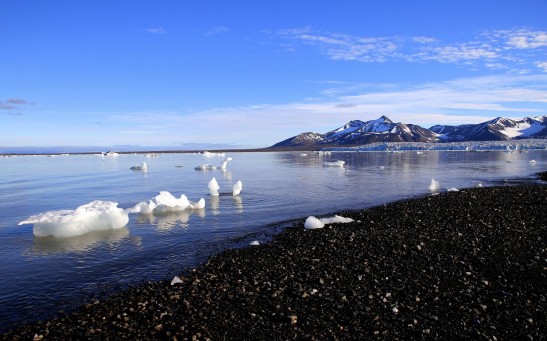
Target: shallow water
43,275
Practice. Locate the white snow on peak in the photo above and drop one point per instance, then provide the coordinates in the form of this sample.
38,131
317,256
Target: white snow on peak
94,216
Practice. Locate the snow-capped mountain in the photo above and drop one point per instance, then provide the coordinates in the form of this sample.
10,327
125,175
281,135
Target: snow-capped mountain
498,129
384,130
359,132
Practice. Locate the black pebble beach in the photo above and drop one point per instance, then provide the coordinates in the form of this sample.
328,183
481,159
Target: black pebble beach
461,265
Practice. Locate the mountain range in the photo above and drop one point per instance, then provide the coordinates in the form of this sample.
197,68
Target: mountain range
384,130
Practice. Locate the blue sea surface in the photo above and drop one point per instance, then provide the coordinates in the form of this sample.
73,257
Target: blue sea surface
40,276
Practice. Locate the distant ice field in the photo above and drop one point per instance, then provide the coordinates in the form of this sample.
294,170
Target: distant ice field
42,275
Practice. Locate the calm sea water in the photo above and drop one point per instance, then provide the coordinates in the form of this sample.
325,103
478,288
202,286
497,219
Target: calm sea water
40,276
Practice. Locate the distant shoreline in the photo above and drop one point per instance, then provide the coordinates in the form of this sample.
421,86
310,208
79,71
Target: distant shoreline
537,144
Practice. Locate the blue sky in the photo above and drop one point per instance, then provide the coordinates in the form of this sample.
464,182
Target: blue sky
252,73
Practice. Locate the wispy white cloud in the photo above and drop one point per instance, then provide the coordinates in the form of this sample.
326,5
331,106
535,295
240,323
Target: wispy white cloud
542,65
466,100
497,49
217,30
156,30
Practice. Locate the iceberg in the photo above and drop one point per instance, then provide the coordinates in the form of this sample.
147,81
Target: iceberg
237,188
166,202
94,216
213,187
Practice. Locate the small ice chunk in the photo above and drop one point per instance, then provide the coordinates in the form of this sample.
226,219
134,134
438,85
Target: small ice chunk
313,223
453,189
434,186
205,167
225,163
335,219
237,188
141,167
338,163
213,187
176,280
166,202
255,243
94,216
533,162
479,185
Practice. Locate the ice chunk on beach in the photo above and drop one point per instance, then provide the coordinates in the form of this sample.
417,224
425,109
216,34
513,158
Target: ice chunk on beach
453,189
166,202
338,163
176,280
213,187
95,216
141,167
254,243
237,188
335,219
434,186
313,223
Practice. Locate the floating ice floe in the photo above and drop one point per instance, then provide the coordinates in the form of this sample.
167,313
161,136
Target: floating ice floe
315,223
237,188
207,167
225,163
453,189
338,163
434,185
95,216
533,162
211,154
142,167
213,187
166,202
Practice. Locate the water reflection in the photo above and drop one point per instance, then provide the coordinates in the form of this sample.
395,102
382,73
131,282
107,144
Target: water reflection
166,221
215,204
238,203
49,245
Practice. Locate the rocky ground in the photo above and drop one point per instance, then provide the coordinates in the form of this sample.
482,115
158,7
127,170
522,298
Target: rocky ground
460,265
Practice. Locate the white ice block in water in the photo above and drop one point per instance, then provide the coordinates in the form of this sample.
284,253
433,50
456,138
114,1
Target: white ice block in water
142,167
225,163
166,202
434,186
237,188
213,187
95,216
338,163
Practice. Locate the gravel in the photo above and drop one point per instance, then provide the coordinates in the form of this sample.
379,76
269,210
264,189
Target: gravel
470,264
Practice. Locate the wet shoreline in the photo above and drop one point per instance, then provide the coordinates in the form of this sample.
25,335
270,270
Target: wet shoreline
468,263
